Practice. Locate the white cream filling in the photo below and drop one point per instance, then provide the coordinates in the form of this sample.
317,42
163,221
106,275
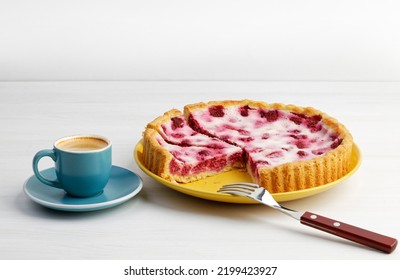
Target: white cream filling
248,132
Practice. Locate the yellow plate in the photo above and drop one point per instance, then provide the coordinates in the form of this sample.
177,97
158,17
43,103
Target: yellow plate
207,188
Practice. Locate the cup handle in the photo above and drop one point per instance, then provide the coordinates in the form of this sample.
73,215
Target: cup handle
36,159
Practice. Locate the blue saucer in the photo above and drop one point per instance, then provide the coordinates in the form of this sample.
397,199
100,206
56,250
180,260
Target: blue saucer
122,185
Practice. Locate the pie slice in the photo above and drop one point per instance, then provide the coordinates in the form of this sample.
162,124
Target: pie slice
177,153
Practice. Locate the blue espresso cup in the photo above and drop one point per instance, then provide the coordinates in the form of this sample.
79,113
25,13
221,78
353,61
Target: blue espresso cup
82,164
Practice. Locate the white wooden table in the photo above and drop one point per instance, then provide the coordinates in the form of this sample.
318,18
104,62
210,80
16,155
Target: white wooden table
160,223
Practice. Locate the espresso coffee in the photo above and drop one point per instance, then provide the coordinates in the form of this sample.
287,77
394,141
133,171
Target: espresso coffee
82,164
82,144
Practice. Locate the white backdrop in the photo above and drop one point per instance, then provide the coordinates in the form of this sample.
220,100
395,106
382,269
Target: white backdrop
200,40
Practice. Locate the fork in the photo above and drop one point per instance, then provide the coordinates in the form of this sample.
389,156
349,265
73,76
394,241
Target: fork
362,236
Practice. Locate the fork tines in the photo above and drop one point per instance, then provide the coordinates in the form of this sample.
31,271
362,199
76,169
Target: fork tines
239,188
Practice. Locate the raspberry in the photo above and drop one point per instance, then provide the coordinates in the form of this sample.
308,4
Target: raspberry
215,146
294,131
271,115
246,139
318,152
185,143
336,143
301,144
195,125
225,138
177,122
204,153
244,111
333,136
300,115
275,154
296,120
314,119
315,128
301,153
216,111
299,136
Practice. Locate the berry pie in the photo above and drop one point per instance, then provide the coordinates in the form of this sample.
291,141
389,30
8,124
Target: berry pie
283,147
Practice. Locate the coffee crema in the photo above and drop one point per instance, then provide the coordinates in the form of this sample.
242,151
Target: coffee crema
82,144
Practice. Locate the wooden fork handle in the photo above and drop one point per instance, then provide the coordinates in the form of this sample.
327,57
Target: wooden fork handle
362,236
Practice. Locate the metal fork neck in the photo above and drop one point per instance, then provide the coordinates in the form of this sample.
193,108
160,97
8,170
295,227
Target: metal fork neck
292,213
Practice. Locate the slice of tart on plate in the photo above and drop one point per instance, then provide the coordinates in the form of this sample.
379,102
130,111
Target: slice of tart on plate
176,152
